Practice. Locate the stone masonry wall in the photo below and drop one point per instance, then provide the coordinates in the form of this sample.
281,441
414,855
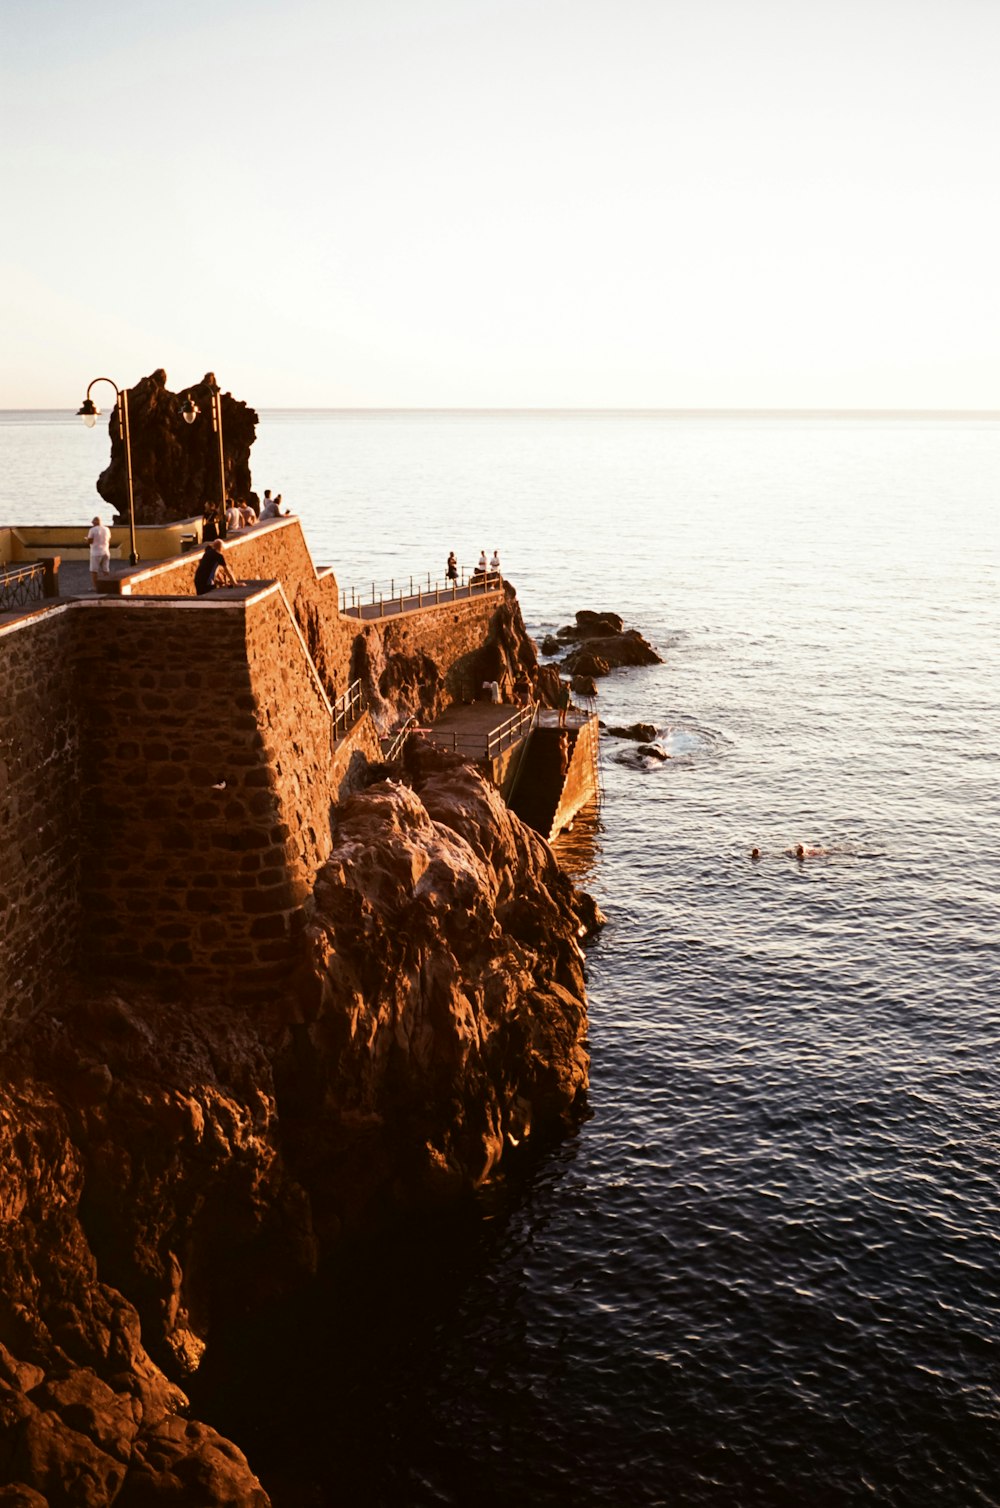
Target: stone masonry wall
207,768
448,635
166,770
39,812
276,551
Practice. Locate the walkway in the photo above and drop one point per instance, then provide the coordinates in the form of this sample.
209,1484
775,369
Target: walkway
480,730
388,607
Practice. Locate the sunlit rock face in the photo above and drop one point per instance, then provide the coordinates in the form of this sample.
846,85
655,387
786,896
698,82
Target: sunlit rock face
442,1001
176,468
167,1162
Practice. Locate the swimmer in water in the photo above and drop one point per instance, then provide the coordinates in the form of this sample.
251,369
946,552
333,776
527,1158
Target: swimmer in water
755,854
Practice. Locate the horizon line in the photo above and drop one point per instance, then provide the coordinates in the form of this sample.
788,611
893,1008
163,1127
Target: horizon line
640,410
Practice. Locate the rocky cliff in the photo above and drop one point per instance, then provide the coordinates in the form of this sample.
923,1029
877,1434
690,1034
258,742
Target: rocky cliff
165,1161
175,465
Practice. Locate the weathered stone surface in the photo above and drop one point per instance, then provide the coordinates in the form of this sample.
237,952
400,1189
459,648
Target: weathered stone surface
444,987
638,732
175,465
583,685
603,654
593,626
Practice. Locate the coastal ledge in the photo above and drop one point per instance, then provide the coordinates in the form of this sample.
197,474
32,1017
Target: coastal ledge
167,1160
263,990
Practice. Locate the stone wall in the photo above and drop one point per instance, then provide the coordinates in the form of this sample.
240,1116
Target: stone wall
166,768
580,785
39,811
211,778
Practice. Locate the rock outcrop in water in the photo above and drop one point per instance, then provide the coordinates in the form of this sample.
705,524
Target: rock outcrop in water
167,1162
175,465
603,644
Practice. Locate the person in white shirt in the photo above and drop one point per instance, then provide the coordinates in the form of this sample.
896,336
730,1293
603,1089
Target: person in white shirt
99,540
234,518
495,562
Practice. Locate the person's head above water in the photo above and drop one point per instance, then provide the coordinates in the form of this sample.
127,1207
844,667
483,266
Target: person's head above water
755,853
800,852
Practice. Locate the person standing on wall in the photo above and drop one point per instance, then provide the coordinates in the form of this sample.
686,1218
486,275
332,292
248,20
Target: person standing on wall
451,570
495,562
99,540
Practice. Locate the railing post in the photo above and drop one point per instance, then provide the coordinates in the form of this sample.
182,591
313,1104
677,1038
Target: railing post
381,610
420,596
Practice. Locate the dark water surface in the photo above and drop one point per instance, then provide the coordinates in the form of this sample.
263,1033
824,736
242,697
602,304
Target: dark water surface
766,1270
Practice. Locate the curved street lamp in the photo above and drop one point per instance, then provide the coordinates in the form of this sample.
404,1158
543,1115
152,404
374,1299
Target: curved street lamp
190,412
90,413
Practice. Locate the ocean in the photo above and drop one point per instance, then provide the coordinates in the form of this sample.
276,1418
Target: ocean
766,1269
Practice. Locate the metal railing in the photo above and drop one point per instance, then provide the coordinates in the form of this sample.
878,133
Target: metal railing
510,731
392,746
20,585
346,710
404,597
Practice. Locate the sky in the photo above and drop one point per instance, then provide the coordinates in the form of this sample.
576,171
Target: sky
504,203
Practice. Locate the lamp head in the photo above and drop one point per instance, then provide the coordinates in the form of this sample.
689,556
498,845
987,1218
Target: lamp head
88,412
189,410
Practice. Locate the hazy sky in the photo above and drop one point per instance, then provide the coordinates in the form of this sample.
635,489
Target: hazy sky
598,203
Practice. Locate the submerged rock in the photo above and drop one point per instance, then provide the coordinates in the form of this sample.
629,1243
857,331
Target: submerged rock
642,733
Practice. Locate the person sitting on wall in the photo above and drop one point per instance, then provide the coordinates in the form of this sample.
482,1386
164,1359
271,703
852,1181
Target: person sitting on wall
272,508
99,540
234,517
212,565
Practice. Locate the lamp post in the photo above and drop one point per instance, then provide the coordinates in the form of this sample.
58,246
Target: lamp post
90,413
190,412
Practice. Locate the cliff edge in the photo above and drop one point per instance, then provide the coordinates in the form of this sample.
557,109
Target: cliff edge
165,1160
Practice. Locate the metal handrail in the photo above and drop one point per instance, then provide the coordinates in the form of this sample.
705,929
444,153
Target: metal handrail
397,600
508,732
398,740
21,585
346,710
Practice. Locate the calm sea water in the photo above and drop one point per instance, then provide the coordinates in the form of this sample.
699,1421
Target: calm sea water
766,1270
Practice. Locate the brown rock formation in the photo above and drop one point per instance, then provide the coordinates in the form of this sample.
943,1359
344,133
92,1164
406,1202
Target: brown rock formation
175,465
604,645
164,1161
601,655
401,682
